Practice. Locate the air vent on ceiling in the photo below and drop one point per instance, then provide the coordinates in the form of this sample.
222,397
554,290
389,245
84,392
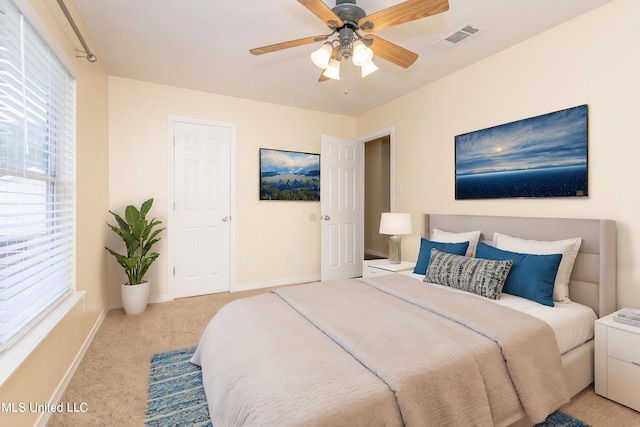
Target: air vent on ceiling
457,36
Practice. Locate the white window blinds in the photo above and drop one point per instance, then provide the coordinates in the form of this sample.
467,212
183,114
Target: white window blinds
37,176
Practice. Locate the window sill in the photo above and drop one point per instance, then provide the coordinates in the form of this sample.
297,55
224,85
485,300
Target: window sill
12,358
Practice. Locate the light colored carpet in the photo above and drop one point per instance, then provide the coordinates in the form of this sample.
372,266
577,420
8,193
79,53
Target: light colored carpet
112,378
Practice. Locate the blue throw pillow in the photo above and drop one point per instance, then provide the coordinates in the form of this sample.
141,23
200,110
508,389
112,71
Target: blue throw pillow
425,252
531,276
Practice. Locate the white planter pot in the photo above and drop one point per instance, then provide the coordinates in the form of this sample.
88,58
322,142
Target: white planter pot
135,298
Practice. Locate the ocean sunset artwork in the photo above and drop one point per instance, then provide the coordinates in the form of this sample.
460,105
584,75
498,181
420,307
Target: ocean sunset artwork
542,156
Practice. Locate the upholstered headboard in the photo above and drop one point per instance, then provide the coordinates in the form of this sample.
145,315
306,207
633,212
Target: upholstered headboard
593,280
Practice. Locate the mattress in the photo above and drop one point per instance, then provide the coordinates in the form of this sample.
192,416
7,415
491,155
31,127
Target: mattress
572,323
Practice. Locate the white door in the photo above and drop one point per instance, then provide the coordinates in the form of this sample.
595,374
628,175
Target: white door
202,211
341,208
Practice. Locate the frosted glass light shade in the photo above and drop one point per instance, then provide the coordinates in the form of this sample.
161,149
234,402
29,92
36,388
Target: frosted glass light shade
333,70
322,56
368,68
395,223
361,53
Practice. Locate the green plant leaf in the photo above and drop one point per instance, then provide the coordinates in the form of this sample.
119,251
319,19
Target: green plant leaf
138,228
154,234
132,214
123,233
146,206
147,263
148,245
122,223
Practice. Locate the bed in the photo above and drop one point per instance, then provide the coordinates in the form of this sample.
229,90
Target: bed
395,350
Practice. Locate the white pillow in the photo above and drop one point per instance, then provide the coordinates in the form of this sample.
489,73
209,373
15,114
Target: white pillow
448,237
568,248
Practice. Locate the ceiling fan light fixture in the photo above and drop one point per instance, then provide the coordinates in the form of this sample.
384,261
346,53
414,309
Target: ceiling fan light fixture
345,20
361,53
322,56
368,68
333,70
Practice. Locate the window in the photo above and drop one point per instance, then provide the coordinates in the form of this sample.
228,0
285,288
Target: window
37,177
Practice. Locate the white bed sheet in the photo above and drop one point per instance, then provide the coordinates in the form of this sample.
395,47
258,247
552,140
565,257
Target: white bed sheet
573,323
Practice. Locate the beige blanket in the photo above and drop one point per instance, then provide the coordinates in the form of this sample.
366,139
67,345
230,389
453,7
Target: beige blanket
392,351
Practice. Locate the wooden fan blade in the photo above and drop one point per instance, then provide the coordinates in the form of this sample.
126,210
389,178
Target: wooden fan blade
287,45
407,11
391,51
322,11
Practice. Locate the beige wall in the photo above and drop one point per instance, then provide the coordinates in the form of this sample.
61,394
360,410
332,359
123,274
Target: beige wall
39,377
266,231
591,60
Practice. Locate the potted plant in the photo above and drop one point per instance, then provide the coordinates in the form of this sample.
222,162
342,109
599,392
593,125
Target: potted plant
139,236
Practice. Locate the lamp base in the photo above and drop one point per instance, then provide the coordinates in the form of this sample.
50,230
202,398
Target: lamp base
395,255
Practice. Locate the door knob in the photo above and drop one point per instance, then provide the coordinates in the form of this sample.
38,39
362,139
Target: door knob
225,218
326,218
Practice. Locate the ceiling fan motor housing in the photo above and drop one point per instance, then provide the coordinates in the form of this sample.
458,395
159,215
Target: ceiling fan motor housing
350,14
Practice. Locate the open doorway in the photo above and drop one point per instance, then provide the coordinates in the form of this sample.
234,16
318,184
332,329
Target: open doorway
377,194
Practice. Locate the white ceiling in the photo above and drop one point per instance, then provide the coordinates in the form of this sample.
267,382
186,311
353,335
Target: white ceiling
204,45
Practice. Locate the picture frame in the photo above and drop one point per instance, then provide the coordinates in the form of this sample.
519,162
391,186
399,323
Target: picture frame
289,175
542,156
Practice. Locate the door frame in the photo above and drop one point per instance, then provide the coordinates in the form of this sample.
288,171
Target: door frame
171,198
389,131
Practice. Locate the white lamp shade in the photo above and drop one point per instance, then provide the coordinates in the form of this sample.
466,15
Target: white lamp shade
333,70
361,53
322,56
395,223
368,68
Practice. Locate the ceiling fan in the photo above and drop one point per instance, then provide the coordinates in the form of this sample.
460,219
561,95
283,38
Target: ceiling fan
346,20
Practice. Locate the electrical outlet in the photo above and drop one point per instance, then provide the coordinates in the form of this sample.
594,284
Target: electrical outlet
244,260
289,256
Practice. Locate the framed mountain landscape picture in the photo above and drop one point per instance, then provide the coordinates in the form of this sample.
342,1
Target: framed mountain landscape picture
542,156
289,175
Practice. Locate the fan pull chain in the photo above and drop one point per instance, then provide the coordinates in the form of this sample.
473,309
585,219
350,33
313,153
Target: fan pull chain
346,80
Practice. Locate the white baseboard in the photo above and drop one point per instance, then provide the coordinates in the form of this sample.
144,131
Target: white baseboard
249,286
57,395
271,283
159,298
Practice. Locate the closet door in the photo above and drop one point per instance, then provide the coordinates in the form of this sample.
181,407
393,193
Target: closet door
202,211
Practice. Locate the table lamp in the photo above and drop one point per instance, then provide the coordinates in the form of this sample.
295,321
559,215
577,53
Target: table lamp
395,224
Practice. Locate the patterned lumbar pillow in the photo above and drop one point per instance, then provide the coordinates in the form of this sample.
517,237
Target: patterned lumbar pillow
481,276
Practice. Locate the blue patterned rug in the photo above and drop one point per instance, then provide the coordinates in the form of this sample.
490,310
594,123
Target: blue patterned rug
176,395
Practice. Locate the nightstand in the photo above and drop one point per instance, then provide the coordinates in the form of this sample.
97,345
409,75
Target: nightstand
380,267
617,361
